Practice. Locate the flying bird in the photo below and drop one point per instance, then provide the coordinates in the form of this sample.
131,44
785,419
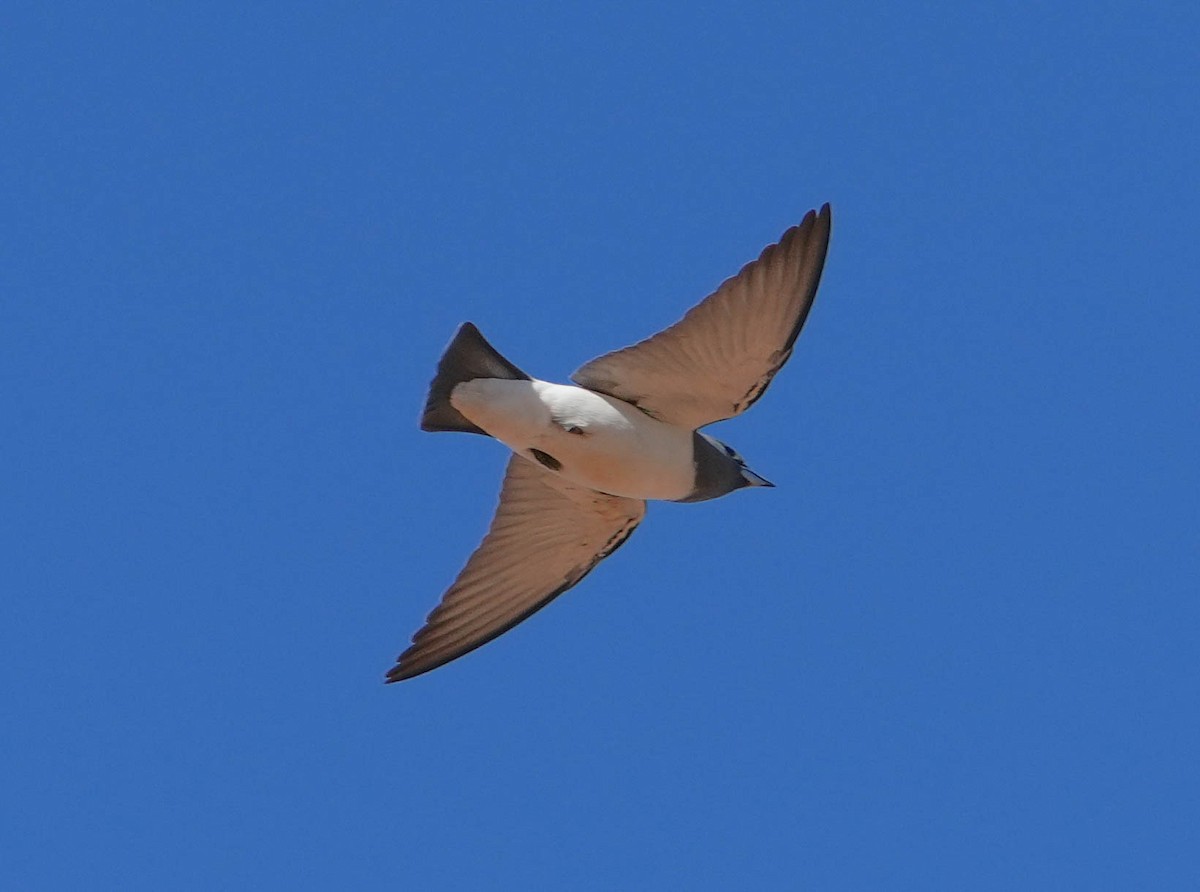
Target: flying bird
587,456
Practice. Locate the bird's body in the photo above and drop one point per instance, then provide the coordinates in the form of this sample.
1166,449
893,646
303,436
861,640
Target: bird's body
591,439
587,456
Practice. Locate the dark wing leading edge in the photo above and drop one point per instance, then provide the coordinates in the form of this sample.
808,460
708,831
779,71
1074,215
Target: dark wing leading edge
546,536
720,357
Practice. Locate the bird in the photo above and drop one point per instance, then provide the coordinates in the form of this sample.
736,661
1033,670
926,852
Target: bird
587,456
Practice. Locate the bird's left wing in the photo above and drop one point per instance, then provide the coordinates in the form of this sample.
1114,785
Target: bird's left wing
546,536
719,358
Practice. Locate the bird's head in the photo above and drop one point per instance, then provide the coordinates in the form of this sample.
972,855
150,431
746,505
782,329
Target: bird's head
719,470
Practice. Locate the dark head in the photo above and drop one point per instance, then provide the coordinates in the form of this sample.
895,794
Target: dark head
719,470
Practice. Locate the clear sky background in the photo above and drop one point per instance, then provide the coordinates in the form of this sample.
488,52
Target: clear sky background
956,648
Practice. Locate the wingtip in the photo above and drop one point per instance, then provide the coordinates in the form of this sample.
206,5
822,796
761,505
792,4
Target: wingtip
397,673
815,219
825,218
822,215
410,666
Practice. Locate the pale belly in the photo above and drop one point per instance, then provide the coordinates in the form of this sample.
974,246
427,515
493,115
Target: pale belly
594,440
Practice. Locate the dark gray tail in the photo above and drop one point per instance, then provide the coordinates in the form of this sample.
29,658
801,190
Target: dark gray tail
468,357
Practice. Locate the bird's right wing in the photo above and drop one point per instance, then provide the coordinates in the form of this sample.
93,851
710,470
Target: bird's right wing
719,358
546,536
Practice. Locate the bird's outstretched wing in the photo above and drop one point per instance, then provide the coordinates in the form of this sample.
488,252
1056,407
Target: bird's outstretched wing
720,357
546,536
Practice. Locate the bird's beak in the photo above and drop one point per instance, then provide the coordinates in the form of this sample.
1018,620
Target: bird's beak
753,479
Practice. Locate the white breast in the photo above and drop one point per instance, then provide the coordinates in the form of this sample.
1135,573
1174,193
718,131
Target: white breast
599,441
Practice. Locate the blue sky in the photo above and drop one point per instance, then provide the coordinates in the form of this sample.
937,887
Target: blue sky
955,648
